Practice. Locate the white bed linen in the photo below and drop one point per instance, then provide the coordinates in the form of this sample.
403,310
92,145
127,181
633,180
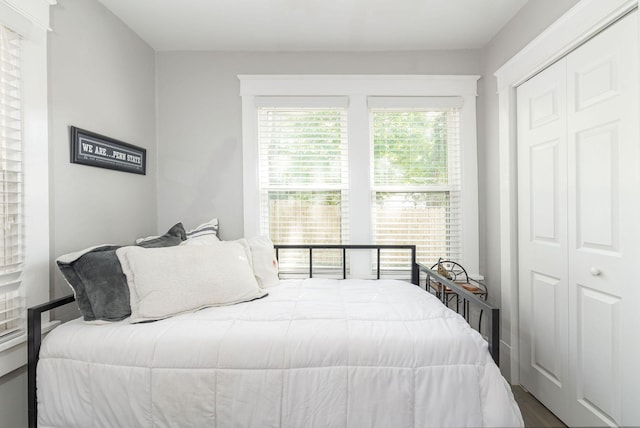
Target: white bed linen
314,353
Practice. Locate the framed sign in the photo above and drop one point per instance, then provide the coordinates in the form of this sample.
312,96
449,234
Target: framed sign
89,148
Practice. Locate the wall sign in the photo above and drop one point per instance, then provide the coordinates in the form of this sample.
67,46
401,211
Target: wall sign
89,148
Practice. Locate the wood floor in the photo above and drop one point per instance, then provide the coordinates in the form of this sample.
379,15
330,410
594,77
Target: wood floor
533,412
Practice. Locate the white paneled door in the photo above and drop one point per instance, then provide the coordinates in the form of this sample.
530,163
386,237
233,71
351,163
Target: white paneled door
543,251
579,231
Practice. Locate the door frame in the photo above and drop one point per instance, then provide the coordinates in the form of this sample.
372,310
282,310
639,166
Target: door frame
586,19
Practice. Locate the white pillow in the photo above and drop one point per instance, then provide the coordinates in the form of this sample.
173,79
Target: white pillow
260,253
169,281
265,264
213,240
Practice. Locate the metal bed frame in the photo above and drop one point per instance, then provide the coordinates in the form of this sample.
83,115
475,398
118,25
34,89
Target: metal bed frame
344,248
418,270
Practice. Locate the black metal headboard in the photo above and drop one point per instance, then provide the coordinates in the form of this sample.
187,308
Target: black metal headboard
413,267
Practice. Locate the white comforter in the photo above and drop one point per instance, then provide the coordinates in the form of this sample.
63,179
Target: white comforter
314,353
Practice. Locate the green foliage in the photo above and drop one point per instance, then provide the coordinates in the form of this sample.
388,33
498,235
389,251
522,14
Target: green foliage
305,146
410,147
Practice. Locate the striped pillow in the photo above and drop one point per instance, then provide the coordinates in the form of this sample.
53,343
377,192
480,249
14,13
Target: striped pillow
208,229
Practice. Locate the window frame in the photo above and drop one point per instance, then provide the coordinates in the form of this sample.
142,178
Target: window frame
359,89
30,19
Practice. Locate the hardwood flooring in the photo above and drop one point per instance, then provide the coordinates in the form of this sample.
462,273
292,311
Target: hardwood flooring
533,412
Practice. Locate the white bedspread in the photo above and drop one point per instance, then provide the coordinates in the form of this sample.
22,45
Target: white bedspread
314,353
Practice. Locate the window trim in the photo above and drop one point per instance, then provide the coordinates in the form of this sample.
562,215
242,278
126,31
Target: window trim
358,89
30,19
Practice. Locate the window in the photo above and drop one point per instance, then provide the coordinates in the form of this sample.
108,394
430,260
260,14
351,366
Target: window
363,159
24,176
303,174
11,305
416,177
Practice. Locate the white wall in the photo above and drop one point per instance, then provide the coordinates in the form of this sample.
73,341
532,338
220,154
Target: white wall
199,120
13,399
530,21
101,78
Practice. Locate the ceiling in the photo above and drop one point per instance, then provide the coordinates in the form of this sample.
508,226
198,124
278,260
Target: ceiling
314,25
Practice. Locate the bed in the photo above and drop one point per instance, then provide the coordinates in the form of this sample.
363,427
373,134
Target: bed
314,352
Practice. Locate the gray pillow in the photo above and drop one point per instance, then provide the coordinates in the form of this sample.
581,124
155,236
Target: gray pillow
96,277
98,283
174,236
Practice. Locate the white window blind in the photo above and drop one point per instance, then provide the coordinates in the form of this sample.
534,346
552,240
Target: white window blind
303,174
416,181
11,164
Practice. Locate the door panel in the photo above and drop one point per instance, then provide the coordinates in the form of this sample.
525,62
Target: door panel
597,189
596,82
598,378
603,235
547,339
544,108
542,194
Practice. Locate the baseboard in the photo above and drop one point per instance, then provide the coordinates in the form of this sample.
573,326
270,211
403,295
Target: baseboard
505,360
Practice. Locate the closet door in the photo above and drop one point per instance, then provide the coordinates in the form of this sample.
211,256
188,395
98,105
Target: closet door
542,223
579,233
603,232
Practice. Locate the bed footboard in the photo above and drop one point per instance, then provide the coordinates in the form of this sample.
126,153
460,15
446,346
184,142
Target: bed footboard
34,339
468,298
